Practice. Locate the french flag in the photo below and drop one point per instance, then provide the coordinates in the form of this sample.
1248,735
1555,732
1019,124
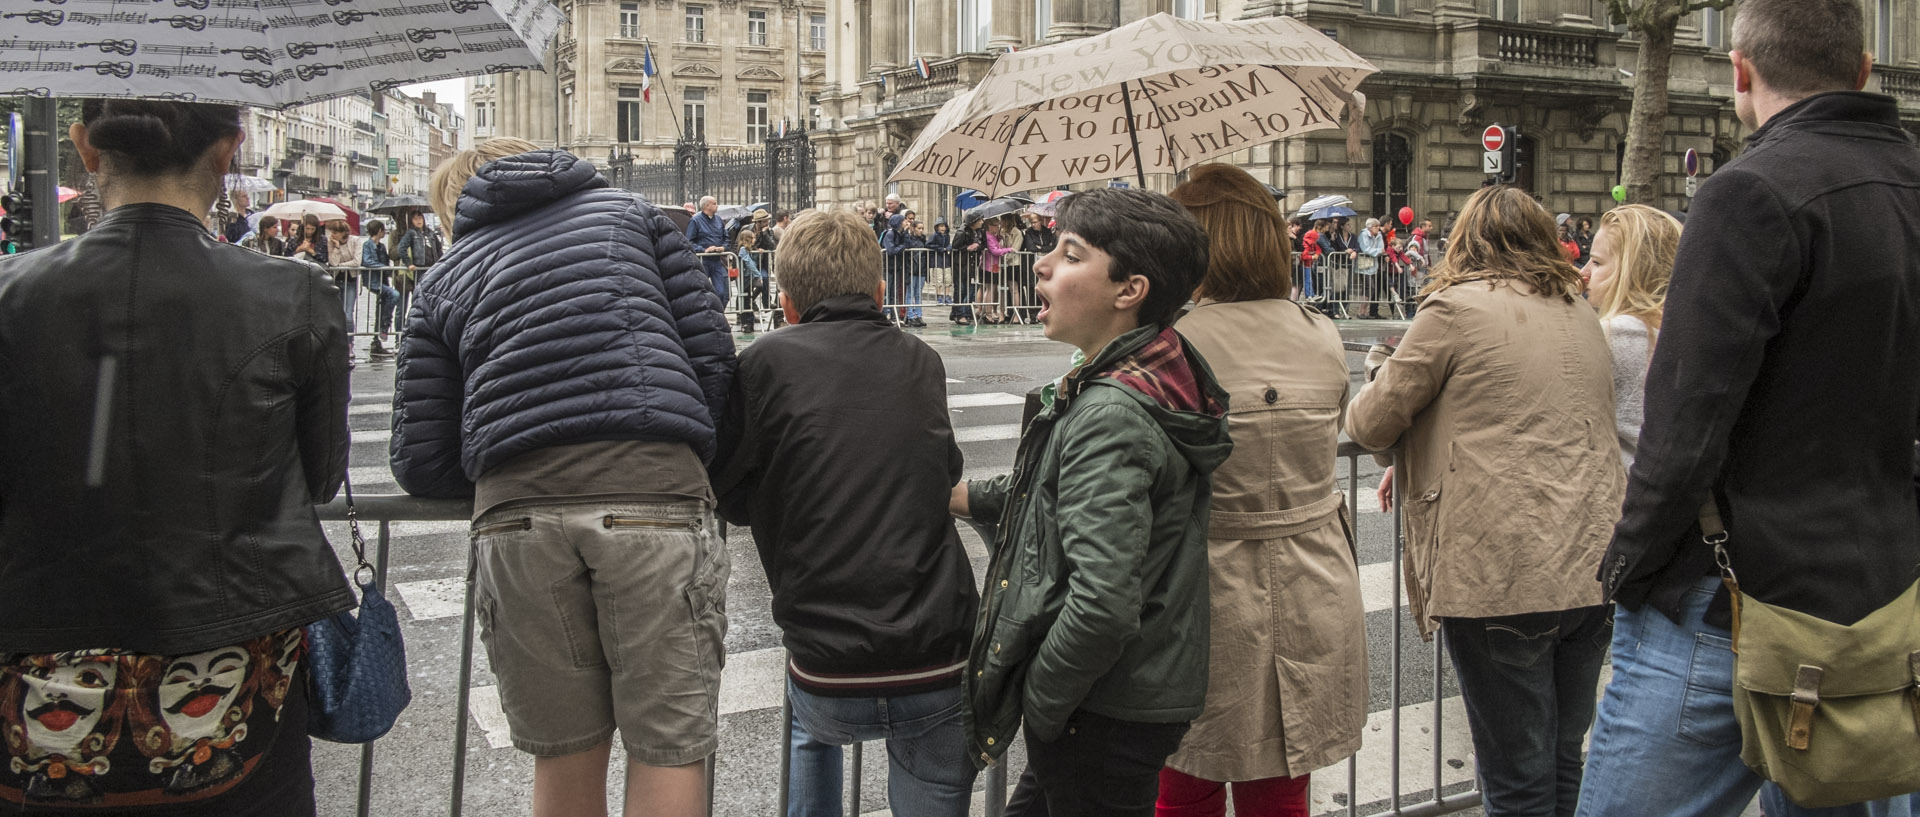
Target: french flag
923,68
646,76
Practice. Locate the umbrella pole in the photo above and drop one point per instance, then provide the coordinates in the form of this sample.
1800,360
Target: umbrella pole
1139,163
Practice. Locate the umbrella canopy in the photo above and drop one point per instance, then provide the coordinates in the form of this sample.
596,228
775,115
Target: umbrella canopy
295,210
998,207
347,212
729,212
1155,96
1333,200
395,204
1336,211
969,199
269,54
249,184
1049,203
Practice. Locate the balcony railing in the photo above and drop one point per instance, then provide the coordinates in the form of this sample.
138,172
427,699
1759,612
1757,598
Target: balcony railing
299,146
1900,83
904,88
323,150
363,126
1535,46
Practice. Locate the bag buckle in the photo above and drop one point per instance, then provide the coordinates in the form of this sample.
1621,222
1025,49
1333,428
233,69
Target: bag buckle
1806,697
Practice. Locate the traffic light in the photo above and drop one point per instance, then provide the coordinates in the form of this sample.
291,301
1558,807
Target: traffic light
16,226
1510,157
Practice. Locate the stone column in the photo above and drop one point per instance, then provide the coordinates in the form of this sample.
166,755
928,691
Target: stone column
1007,31
933,28
1080,18
889,35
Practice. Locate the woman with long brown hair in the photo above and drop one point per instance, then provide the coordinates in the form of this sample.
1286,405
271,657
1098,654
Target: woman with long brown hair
1287,688
1501,399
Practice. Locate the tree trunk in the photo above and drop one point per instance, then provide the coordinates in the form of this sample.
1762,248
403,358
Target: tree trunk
1647,123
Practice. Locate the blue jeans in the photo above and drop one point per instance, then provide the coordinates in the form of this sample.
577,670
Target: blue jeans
916,284
928,771
1667,734
1527,681
719,279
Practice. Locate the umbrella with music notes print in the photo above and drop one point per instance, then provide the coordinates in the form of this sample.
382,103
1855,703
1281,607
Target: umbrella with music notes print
266,53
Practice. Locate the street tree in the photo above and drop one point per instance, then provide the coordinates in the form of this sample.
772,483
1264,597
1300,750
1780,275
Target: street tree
1654,22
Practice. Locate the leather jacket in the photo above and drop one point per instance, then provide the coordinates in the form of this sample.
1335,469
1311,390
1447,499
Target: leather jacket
171,408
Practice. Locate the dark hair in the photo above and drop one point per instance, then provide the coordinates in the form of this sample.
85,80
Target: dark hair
1252,259
1146,234
375,228
145,137
1802,47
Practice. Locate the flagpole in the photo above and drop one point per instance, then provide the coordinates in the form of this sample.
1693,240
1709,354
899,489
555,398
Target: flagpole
678,133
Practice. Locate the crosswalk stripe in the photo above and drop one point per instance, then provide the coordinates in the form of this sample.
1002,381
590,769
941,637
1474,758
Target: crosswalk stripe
369,476
433,598
981,434
985,399
484,704
358,409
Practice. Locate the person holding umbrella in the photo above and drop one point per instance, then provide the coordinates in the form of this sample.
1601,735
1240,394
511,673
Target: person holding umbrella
161,547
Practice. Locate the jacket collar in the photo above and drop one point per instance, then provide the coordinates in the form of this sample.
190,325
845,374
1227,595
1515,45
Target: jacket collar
1838,107
150,213
859,308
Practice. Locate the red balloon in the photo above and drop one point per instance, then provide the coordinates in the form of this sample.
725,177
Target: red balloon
1406,216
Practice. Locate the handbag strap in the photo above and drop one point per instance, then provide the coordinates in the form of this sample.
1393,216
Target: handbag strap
359,542
1713,532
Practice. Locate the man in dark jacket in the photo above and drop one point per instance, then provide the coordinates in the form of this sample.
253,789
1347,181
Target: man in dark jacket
1784,388
566,366
843,467
708,234
1093,629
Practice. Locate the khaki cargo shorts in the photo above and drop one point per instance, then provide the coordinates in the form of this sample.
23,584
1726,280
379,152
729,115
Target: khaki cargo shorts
599,616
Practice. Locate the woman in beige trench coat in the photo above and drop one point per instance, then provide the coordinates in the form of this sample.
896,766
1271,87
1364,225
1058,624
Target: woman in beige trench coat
1287,685
1501,395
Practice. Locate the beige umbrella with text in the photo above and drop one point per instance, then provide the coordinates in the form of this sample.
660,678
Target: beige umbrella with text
1155,96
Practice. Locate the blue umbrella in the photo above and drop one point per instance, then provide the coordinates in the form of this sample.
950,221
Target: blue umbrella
1336,211
969,199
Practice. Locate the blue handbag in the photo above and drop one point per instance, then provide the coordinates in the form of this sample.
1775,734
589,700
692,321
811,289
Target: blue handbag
357,684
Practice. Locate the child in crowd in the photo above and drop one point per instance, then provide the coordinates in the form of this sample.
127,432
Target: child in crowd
842,466
1095,627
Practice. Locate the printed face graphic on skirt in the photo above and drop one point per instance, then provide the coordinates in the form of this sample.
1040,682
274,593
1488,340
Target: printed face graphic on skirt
62,705
196,690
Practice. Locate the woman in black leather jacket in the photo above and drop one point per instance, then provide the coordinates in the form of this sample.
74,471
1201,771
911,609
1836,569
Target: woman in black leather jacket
159,552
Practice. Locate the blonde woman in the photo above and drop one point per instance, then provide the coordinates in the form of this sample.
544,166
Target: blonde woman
1627,269
1499,399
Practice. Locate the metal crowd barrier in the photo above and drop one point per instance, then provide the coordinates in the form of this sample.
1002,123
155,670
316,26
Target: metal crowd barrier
1354,285
385,510
363,316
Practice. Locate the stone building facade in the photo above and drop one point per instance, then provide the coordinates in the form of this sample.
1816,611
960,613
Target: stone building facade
343,147
727,71
1554,68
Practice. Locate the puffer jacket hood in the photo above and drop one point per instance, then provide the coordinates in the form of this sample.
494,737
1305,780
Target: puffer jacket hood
567,311
516,185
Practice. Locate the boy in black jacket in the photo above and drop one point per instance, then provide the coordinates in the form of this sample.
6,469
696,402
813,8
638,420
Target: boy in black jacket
843,464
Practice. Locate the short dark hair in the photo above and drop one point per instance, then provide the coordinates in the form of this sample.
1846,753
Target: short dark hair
1147,234
375,228
1802,47
147,137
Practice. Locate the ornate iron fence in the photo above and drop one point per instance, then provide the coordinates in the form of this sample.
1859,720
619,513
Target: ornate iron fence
780,174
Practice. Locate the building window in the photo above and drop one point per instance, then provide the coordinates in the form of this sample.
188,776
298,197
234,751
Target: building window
693,112
817,32
627,128
913,31
1883,32
696,24
1508,10
630,20
480,115
1042,19
756,28
813,112
756,117
1392,173
976,25
1386,7
1189,9
1713,28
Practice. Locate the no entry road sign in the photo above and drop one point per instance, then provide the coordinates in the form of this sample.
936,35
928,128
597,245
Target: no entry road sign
1493,137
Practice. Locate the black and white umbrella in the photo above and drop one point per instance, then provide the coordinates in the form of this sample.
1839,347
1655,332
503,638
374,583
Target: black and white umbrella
267,53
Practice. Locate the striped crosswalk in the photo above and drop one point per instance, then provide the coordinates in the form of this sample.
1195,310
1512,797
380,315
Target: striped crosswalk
431,596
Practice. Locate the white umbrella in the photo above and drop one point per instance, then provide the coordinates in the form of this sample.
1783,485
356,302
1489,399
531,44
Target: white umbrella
269,53
296,210
1331,200
1158,95
249,184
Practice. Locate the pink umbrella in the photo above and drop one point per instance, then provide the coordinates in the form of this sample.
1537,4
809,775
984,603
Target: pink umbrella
68,193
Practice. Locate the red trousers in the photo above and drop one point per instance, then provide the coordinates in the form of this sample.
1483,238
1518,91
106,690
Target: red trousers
1183,795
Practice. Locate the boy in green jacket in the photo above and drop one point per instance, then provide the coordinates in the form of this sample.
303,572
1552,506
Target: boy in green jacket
1093,624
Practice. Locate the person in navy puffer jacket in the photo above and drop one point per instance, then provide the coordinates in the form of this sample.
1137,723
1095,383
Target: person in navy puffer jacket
566,365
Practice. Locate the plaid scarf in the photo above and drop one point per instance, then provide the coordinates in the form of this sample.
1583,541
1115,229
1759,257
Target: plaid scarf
1160,370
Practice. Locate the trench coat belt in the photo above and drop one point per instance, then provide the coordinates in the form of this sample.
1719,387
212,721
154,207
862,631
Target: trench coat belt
1274,524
